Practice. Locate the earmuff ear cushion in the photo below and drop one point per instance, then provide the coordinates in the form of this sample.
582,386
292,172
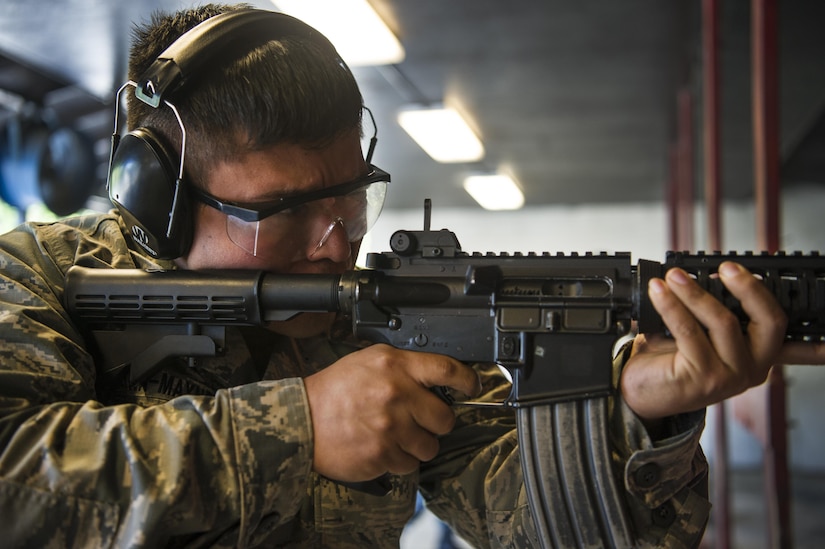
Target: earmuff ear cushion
142,182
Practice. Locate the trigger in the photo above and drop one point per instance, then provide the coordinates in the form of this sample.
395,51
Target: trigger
444,394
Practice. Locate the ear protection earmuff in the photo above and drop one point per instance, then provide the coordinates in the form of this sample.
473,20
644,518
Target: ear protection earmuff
146,179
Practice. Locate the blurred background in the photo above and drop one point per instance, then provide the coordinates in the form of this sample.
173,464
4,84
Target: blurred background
632,125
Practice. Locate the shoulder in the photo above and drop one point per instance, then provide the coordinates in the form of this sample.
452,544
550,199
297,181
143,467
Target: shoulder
92,240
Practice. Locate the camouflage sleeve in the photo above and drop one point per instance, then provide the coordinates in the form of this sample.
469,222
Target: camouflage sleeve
666,479
476,483
76,473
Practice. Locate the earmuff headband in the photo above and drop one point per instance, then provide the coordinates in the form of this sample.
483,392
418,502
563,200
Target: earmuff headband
220,37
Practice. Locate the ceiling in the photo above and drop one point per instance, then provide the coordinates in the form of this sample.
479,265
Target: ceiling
576,99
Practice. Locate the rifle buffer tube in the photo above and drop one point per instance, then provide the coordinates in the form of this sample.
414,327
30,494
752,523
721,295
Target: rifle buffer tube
240,297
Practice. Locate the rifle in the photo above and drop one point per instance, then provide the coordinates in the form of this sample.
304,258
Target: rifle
551,320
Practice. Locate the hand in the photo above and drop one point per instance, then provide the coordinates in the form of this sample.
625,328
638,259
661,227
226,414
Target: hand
709,358
373,412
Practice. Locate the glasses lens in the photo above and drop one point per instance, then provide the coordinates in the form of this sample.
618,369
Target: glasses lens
363,207
243,234
358,209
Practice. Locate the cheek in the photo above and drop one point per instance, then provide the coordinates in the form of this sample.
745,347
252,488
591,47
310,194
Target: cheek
209,230
211,247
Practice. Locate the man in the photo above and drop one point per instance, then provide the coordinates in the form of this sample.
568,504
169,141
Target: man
261,446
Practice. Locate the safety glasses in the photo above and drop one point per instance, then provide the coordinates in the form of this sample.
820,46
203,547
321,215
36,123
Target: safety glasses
266,226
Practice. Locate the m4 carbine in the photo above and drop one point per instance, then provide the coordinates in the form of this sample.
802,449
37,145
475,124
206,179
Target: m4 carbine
551,320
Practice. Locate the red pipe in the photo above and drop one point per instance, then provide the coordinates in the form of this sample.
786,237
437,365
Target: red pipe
764,51
672,197
712,186
710,126
685,177
765,89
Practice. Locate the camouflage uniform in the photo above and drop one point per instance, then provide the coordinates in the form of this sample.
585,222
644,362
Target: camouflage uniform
213,457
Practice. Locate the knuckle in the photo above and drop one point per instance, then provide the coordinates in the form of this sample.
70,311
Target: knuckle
718,384
727,322
374,454
405,467
686,329
446,368
371,457
446,422
388,393
382,424
780,319
383,356
429,450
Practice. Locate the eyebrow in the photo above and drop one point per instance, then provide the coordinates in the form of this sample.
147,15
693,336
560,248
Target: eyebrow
278,196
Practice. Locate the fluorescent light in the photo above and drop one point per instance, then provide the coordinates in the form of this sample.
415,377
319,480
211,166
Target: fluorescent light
494,192
359,35
442,133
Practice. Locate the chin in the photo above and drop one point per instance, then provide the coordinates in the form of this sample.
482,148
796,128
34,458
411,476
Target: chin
303,325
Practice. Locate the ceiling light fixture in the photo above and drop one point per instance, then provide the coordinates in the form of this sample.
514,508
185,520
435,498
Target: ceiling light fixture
358,33
495,191
442,133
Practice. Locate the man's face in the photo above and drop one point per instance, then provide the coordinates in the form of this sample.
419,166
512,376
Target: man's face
263,176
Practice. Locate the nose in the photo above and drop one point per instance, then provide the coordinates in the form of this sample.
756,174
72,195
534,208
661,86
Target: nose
333,243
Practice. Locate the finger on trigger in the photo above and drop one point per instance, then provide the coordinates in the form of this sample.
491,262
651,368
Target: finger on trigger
454,374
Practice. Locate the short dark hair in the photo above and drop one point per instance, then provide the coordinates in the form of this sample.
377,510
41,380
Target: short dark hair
290,90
